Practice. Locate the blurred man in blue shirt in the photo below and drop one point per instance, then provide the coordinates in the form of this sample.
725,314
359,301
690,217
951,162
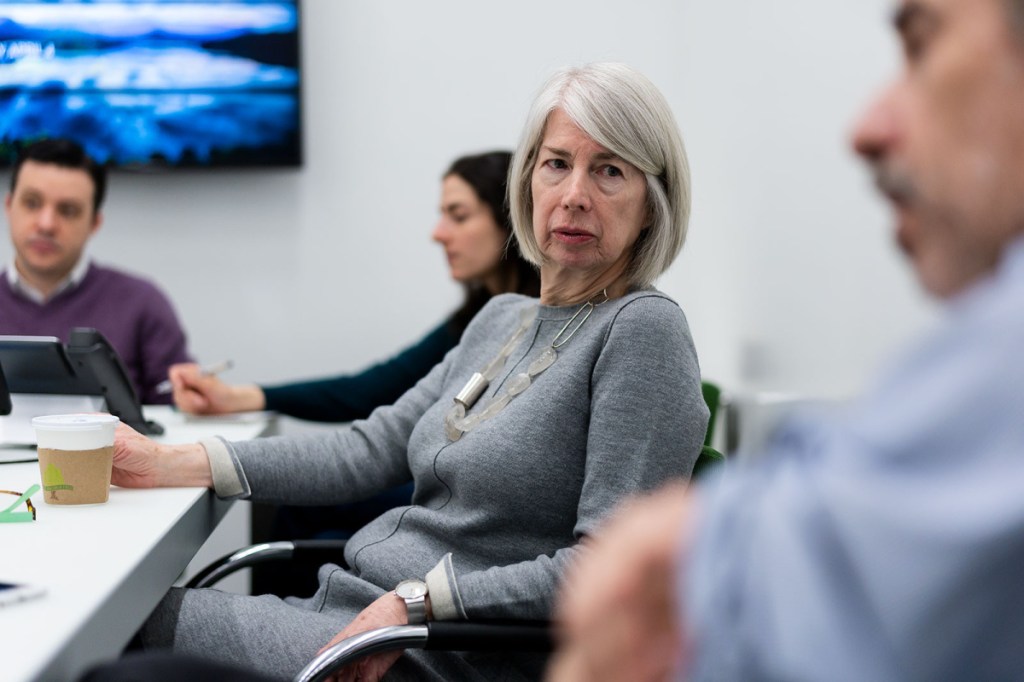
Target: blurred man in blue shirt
885,544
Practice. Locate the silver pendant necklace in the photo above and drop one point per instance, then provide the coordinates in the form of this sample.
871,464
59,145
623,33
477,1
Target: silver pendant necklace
457,422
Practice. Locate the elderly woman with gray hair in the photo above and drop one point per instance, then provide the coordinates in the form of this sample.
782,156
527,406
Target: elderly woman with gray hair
544,416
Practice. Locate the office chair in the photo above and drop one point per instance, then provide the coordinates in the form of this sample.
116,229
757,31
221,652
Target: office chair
709,457
470,635
712,398
478,636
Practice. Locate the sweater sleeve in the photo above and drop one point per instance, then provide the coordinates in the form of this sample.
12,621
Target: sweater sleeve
355,396
647,425
345,465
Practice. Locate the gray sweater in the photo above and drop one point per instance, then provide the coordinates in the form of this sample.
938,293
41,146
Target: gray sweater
498,514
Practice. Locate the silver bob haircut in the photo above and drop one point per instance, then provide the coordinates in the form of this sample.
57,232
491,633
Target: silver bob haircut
621,110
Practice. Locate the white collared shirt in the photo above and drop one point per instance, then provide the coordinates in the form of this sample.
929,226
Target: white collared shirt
21,286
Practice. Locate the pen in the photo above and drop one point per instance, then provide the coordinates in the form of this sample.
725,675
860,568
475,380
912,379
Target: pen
165,386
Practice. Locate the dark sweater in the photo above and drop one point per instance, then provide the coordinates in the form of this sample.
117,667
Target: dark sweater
355,396
132,313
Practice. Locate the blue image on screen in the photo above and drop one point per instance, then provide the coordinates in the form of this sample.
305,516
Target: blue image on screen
154,83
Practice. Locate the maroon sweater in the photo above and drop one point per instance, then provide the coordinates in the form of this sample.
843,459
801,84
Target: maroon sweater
134,315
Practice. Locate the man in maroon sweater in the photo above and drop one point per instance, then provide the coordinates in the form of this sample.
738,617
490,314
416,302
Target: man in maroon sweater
53,209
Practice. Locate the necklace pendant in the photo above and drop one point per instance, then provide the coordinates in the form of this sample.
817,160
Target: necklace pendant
451,421
451,430
472,391
517,384
494,407
543,361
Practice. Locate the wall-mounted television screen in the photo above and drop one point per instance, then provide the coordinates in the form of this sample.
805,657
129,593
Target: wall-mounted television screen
154,83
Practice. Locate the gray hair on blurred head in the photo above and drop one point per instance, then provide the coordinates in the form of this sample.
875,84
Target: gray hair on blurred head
621,110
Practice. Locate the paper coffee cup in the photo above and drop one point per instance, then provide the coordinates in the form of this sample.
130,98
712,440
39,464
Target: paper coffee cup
76,454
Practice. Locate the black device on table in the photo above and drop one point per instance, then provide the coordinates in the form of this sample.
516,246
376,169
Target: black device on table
88,365
5,395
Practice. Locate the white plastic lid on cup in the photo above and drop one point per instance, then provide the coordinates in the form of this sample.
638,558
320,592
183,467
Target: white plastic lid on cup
75,431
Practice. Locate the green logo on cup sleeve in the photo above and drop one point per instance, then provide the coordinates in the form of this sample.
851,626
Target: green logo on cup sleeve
53,480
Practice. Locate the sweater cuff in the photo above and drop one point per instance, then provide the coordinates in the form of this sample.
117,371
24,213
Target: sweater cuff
228,478
445,600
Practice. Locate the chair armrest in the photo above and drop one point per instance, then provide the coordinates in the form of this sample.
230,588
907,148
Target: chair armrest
323,550
436,636
355,647
472,635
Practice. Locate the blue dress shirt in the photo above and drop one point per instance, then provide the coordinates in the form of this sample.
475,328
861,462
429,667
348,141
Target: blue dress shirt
887,542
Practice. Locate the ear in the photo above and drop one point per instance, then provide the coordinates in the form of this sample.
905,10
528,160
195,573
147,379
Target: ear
97,222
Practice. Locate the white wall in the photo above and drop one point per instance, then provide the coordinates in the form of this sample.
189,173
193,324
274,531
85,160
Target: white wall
788,279
771,91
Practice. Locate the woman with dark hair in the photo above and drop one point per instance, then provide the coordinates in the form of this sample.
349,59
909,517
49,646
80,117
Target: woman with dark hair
471,180
475,229
476,232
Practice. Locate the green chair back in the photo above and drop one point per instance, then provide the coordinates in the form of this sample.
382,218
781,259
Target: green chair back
708,459
712,396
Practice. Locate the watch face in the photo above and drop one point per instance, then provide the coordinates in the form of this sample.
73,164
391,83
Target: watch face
410,589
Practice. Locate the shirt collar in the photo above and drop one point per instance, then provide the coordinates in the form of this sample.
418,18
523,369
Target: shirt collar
19,285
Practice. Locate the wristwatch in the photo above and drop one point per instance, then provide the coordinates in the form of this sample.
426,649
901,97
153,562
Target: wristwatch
414,594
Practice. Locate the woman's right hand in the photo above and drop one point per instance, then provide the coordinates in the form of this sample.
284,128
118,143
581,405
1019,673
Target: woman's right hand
199,393
143,463
135,459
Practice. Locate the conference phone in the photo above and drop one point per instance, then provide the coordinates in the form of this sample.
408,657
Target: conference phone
38,367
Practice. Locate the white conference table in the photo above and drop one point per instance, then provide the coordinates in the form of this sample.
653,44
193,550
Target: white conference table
104,567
